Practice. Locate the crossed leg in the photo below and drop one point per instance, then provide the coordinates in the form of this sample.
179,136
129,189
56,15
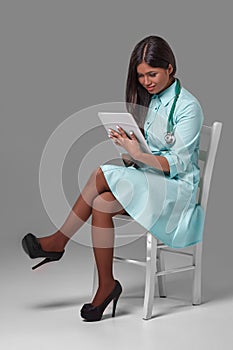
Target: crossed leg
96,199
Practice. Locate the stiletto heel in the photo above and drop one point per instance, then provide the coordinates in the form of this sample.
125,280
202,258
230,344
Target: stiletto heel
95,313
46,260
114,306
32,247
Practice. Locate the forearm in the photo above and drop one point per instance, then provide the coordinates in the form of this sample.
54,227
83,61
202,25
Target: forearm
158,162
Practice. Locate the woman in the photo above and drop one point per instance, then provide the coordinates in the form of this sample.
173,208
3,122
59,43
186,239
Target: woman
162,190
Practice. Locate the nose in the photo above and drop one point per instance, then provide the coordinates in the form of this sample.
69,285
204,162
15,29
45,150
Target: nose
147,80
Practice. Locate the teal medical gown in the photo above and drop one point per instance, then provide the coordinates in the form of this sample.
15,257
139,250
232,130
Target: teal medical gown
165,204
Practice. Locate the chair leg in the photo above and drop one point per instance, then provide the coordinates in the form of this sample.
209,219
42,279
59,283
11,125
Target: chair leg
151,269
94,284
161,279
197,262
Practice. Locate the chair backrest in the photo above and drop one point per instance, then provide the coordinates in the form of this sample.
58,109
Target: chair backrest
208,156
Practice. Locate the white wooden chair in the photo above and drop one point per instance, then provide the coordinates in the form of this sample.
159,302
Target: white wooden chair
155,249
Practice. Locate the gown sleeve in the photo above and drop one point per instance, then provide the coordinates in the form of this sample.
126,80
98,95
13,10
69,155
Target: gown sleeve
187,126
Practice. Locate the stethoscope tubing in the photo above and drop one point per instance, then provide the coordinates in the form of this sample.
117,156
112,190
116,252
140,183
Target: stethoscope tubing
170,137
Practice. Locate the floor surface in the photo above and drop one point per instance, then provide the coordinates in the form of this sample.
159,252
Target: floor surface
40,309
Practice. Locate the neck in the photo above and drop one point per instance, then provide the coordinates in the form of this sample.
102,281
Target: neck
170,82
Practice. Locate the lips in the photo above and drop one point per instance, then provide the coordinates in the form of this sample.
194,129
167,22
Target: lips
149,88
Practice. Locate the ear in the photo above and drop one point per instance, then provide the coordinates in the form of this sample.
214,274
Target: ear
170,69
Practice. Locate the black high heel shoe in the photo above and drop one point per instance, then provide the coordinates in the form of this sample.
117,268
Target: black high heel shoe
33,248
95,313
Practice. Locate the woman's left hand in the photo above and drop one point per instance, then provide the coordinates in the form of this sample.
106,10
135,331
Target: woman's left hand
130,144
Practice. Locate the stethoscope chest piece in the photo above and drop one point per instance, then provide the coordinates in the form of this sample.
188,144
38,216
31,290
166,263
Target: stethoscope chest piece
170,138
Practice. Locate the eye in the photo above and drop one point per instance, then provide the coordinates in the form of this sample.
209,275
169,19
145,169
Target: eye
152,74
140,76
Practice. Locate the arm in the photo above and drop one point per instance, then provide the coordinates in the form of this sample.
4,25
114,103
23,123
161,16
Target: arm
158,162
188,125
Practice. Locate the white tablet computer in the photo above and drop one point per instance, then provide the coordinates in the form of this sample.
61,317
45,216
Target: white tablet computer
127,122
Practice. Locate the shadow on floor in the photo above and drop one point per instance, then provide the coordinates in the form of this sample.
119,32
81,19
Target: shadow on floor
55,304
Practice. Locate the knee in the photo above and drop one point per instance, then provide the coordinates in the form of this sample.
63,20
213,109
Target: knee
96,175
105,203
97,172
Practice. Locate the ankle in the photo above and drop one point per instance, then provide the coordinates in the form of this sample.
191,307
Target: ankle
103,292
53,242
107,283
60,238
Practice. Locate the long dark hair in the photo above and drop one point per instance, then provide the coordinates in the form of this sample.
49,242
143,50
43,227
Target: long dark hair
156,52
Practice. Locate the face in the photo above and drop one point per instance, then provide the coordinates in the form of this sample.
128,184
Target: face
154,80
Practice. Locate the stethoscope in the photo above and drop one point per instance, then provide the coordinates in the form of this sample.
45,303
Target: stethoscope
170,137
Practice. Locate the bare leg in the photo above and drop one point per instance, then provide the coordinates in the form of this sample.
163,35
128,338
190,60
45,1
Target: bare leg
81,211
105,206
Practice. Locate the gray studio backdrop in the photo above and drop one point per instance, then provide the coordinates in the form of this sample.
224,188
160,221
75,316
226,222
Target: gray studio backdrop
59,57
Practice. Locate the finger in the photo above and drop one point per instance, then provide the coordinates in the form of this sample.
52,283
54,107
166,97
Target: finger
114,139
133,137
113,133
121,131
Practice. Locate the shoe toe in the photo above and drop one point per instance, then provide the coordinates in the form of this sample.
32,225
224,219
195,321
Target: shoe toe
31,245
86,308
